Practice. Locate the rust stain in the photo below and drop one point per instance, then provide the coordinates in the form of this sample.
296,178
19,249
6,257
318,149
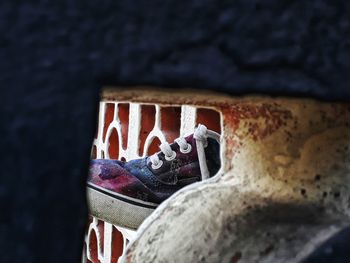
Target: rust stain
271,117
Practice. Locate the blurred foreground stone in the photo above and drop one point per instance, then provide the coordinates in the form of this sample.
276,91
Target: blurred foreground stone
284,188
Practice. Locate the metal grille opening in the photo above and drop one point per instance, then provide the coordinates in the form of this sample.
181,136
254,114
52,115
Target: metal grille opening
128,130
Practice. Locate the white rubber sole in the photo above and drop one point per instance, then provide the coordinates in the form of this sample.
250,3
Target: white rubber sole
117,209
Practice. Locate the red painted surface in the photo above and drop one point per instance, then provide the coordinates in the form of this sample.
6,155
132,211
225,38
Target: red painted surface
147,123
123,113
209,118
170,122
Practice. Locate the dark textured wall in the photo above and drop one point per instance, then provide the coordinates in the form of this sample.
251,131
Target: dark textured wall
55,55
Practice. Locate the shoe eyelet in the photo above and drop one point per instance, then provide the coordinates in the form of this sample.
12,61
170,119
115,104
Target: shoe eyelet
187,150
155,167
170,158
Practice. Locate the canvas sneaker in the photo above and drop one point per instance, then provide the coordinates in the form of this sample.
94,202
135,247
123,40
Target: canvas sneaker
125,193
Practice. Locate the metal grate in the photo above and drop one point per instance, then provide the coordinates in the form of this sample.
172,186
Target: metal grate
129,131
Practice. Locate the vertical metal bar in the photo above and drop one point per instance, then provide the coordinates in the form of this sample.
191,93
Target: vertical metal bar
188,119
107,243
101,124
132,151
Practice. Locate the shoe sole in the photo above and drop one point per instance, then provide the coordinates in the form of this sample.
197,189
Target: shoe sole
117,209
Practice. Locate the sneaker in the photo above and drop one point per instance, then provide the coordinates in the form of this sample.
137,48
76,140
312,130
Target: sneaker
125,193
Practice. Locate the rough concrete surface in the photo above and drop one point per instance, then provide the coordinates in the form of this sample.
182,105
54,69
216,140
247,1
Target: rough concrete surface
283,190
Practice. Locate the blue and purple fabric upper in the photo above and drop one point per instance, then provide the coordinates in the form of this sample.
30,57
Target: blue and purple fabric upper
137,178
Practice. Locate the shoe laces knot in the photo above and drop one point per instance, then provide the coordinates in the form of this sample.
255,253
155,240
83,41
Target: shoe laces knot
200,134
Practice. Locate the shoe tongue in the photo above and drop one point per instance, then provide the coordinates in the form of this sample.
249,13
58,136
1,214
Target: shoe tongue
180,160
175,147
212,148
170,172
193,156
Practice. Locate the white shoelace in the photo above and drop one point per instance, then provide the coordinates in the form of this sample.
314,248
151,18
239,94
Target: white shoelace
201,134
